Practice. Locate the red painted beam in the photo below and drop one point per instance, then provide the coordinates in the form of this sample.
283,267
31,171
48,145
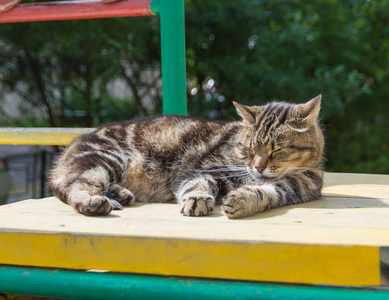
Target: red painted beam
75,9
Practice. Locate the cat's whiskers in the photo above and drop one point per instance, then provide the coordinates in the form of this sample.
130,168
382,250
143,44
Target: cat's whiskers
275,140
287,169
218,170
283,142
301,168
282,149
235,166
240,175
224,169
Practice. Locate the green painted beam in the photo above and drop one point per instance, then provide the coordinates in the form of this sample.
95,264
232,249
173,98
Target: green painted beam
172,15
90,285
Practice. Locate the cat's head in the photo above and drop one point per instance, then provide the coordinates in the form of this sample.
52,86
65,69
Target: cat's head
280,138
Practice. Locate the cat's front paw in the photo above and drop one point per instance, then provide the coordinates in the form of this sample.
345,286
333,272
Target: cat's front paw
197,205
235,205
95,206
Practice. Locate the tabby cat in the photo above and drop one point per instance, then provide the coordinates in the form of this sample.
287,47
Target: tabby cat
273,157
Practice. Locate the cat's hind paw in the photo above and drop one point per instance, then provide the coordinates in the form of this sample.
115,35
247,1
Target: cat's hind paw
197,205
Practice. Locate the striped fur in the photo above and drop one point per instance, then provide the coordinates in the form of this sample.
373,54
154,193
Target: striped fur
270,159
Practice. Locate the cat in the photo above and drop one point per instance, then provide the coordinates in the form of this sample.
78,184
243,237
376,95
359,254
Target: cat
272,158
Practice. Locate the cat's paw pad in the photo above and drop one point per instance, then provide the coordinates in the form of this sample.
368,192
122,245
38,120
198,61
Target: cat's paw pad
234,206
197,205
96,206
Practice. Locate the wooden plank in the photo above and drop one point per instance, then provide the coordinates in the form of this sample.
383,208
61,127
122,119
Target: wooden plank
40,136
326,221
331,178
335,240
310,264
356,185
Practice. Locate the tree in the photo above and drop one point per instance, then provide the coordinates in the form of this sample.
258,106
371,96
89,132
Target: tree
65,67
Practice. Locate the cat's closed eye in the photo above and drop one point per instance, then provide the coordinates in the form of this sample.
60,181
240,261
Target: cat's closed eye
277,152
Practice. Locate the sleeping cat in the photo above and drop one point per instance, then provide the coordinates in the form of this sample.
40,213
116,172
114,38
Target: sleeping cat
273,157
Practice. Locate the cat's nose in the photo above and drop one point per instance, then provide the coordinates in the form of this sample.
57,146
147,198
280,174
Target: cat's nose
260,169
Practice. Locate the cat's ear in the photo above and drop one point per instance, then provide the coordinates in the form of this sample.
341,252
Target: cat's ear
247,113
310,110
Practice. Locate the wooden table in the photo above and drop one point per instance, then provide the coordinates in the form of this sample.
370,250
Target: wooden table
339,240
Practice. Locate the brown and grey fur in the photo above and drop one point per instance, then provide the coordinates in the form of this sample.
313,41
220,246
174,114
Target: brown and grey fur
270,159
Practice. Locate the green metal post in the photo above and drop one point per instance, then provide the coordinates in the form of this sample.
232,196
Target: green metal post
172,14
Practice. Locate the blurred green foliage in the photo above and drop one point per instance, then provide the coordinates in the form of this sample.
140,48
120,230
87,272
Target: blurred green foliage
64,73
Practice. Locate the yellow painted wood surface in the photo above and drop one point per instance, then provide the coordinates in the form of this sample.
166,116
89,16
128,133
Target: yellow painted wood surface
281,262
40,136
335,240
